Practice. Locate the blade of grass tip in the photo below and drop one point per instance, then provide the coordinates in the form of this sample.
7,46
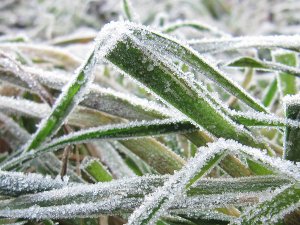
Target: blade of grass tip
213,45
120,131
65,103
287,84
193,24
128,10
139,59
96,170
292,135
270,211
270,94
289,69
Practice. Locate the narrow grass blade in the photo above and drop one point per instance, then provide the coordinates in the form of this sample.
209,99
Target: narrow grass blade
270,94
157,202
127,7
289,69
80,117
235,43
137,186
192,24
67,100
123,131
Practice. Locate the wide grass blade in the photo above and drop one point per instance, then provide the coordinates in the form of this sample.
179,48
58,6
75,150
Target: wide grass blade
286,81
138,58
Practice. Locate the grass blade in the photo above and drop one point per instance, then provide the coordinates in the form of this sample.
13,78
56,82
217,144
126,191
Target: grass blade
68,99
137,59
213,45
286,80
292,135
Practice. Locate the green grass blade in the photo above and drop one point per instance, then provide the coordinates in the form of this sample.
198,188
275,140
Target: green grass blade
286,80
270,93
292,135
123,131
171,48
67,100
155,203
192,24
136,58
96,170
289,69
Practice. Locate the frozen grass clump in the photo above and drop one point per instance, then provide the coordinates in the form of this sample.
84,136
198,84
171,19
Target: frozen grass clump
120,112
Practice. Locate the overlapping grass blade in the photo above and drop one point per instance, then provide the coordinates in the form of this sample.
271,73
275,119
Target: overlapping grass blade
272,210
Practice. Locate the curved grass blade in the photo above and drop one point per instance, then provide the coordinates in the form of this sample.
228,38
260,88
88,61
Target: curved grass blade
193,24
169,48
140,60
289,70
213,45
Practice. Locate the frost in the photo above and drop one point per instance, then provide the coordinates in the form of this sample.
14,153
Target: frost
15,183
224,44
